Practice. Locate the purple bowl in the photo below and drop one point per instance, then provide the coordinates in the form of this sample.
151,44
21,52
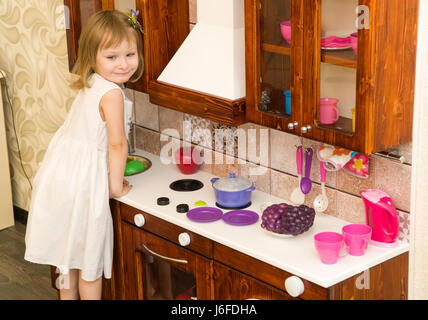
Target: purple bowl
354,41
286,30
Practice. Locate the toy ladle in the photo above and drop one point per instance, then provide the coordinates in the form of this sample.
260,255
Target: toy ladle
306,183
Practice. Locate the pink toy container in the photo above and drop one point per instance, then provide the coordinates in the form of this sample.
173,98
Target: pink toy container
329,245
356,237
286,30
381,216
354,41
329,113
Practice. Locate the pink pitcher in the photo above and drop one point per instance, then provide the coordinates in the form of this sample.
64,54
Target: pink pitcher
329,113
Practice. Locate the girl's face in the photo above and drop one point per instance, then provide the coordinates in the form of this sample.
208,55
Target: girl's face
117,64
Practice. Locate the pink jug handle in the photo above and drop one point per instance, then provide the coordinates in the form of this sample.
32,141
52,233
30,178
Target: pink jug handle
393,217
337,114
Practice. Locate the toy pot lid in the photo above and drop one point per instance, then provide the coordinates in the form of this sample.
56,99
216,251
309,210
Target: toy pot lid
231,183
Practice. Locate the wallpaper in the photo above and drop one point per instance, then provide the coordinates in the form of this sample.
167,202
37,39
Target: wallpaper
33,53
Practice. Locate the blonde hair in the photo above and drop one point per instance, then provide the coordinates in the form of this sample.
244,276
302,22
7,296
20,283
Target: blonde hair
105,29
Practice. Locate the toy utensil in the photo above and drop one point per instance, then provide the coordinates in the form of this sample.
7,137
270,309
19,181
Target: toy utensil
306,183
297,197
321,201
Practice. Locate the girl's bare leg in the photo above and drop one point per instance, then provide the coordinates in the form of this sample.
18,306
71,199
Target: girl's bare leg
69,285
90,290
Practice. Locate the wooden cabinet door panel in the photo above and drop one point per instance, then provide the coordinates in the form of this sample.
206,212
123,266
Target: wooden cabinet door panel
168,230
230,284
142,242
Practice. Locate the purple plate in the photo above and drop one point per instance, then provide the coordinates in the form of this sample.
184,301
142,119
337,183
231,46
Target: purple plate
240,217
204,214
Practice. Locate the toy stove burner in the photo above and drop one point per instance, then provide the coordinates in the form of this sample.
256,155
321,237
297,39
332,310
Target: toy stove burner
234,208
186,185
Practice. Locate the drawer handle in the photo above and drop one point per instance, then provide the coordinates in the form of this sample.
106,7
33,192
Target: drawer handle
184,239
294,286
139,220
163,257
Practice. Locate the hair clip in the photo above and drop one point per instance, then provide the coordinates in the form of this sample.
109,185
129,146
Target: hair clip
133,15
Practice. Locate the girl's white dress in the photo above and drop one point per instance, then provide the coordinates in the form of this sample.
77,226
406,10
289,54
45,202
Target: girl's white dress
69,224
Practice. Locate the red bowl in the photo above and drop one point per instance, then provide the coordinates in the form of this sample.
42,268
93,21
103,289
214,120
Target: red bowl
187,159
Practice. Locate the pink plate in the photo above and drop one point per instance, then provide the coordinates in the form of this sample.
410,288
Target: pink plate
336,43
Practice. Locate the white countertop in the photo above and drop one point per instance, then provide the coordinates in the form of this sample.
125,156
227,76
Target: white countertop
296,255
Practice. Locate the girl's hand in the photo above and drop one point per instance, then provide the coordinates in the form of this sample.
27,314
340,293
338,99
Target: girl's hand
126,188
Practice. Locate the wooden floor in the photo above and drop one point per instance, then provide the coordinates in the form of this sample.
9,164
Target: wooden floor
20,279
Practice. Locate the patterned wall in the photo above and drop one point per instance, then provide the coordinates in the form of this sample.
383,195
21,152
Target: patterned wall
33,52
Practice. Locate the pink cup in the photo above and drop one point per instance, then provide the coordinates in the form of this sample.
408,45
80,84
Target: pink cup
356,237
329,113
329,245
286,30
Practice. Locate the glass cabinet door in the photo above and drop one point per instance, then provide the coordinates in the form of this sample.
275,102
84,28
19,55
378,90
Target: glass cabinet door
77,12
276,63
163,270
164,281
337,107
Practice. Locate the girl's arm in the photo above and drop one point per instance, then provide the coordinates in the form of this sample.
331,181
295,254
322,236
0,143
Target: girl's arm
111,107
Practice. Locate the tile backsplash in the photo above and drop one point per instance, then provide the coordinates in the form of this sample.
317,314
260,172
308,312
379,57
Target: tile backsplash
267,157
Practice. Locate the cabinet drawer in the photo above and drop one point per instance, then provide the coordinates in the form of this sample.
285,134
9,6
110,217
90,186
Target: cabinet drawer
168,230
265,272
230,284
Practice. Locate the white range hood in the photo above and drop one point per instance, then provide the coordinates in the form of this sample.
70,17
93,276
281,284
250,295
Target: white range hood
212,57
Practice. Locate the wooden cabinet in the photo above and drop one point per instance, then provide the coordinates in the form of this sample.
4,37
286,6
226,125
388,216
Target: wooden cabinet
215,271
378,80
78,12
166,26
155,261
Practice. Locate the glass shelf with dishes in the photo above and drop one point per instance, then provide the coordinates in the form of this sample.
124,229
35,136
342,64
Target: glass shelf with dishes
338,68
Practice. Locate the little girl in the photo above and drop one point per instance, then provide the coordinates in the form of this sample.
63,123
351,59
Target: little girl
70,224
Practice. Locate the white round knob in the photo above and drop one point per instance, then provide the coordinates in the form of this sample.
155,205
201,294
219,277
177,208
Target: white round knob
139,220
294,286
184,239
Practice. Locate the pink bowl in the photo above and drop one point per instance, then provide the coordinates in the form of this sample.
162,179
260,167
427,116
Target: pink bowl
354,41
286,30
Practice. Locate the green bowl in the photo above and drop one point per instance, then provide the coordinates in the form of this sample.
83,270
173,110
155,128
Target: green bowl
133,167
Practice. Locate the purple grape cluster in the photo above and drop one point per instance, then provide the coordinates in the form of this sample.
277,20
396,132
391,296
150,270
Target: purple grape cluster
287,219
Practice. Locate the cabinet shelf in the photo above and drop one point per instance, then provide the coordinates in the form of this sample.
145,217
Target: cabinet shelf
275,48
274,113
345,58
343,126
